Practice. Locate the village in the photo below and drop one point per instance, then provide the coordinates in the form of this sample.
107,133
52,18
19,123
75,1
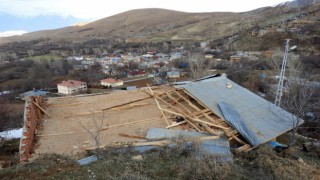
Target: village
162,94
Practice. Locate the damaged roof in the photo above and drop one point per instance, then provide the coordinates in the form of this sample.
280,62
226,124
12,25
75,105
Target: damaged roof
263,118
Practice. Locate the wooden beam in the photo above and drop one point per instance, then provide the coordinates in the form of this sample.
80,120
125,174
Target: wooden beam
176,124
195,119
188,101
62,105
104,109
102,129
131,136
154,143
243,148
189,122
177,102
42,109
190,95
164,116
38,110
201,112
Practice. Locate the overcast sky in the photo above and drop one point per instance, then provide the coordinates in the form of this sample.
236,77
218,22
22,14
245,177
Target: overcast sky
96,9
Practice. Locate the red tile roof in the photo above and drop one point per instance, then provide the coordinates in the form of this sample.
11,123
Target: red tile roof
71,83
110,80
136,73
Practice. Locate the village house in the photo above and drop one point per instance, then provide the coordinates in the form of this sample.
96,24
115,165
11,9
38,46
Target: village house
262,32
137,74
208,56
173,74
71,87
111,82
235,58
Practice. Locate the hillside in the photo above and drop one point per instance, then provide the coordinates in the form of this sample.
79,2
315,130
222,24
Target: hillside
157,25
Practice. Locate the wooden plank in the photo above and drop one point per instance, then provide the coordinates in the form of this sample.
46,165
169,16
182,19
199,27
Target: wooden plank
102,129
195,119
192,124
177,102
176,124
237,139
190,103
104,109
154,143
42,109
243,148
62,105
131,136
165,118
173,107
201,112
38,110
199,102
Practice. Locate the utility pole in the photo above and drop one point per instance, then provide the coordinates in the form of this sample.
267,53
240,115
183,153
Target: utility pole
281,76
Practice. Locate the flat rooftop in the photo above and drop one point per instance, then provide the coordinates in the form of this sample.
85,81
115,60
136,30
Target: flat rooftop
76,120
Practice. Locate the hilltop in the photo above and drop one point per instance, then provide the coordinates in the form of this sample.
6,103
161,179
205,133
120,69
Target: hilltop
158,25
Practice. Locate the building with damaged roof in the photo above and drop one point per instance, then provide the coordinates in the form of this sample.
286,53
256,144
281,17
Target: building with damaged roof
216,106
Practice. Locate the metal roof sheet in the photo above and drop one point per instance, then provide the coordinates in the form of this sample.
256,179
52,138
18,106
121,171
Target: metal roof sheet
265,119
218,147
34,93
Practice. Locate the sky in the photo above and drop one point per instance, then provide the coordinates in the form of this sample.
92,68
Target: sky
90,10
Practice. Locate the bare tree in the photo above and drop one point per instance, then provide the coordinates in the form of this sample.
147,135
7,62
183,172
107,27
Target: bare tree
301,91
301,98
198,65
94,134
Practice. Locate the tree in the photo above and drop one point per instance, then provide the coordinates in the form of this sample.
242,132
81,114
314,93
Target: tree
94,133
301,98
301,92
198,65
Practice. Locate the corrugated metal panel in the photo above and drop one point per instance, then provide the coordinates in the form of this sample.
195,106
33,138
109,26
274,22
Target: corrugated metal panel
34,93
219,147
87,160
263,118
235,120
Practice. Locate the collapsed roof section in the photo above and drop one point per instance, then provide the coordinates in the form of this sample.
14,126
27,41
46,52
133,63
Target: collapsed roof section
264,119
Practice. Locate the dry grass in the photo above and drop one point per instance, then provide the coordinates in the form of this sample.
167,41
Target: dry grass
172,163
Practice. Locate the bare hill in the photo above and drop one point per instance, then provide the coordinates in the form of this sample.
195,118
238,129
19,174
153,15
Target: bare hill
156,25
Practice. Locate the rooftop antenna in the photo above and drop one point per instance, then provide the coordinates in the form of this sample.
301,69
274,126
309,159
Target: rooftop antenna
277,101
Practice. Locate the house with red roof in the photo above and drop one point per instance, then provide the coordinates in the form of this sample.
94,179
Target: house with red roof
137,74
111,82
71,87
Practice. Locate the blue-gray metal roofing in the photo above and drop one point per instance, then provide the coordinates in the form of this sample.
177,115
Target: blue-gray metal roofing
265,119
34,93
87,160
218,146
236,121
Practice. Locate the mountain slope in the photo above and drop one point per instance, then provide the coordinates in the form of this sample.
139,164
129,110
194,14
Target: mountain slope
157,25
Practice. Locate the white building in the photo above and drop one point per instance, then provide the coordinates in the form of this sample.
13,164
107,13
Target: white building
71,87
111,82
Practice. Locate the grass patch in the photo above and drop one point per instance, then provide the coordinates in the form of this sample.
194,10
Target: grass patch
44,57
171,163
